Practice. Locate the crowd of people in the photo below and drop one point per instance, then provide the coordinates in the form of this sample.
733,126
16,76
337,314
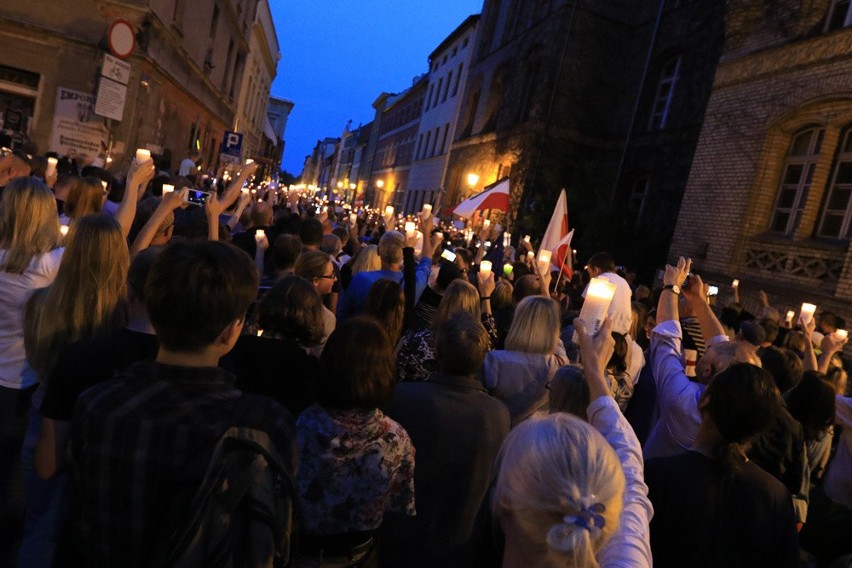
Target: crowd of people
212,371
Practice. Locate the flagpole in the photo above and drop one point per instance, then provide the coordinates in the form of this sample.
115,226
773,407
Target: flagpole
562,267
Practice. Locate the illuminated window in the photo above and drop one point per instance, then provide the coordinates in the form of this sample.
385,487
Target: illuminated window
796,180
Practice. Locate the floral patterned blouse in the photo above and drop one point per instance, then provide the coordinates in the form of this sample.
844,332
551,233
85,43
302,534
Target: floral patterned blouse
353,466
415,359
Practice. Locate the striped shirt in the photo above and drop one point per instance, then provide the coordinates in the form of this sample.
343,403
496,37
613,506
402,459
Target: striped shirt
141,446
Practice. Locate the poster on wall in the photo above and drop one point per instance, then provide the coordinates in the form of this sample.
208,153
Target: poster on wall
77,131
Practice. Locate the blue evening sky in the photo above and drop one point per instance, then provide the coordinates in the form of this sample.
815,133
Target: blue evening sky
337,56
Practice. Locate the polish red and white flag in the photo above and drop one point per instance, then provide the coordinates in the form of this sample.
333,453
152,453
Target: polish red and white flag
494,196
557,237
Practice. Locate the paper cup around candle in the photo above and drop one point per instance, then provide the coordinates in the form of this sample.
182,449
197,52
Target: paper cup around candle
507,269
735,284
507,240
259,234
427,210
486,223
389,210
409,228
51,165
790,315
530,255
841,334
249,161
168,188
598,297
807,313
485,266
63,229
142,155
104,184
527,239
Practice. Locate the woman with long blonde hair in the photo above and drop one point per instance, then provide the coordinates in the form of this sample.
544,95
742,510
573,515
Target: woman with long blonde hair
87,298
367,260
519,375
85,197
29,259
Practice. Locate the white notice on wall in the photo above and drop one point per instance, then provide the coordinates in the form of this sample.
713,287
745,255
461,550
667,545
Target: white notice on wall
76,130
110,99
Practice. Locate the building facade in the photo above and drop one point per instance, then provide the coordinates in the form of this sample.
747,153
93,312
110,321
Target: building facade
578,94
769,198
395,143
179,93
277,112
448,67
261,67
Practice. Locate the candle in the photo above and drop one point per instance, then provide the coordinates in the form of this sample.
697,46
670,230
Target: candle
142,155
841,334
427,210
485,266
806,314
527,239
259,235
63,229
598,297
486,223
409,228
507,269
259,332
353,218
735,284
530,255
168,188
249,161
51,165
544,260
790,315
389,210
104,184
507,240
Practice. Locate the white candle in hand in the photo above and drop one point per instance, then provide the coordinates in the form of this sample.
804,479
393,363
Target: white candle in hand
389,210
409,229
598,297
807,313
51,165
168,188
841,334
142,155
485,266
259,235
63,229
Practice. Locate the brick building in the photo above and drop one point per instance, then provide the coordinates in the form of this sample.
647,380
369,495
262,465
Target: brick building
769,198
604,99
400,117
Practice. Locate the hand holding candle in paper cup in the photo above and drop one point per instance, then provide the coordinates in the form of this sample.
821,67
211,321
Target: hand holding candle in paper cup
485,280
599,295
485,266
427,211
168,188
261,240
142,155
596,347
789,319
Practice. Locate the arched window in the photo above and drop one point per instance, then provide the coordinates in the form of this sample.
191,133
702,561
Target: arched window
836,215
796,180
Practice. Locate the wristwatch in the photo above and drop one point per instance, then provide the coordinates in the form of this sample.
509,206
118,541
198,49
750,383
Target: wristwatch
673,287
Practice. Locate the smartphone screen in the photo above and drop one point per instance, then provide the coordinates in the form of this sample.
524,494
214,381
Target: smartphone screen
197,197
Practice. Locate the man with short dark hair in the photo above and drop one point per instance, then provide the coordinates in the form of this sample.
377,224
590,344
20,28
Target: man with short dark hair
457,429
142,444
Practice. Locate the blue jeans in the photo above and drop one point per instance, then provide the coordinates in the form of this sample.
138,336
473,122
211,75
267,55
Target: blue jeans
47,506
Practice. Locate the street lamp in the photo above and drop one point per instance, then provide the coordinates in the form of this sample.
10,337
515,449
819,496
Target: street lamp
472,179
380,183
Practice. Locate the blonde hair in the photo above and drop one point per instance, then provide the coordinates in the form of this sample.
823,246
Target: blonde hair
367,260
85,197
29,224
501,297
460,296
552,467
535,326
87,296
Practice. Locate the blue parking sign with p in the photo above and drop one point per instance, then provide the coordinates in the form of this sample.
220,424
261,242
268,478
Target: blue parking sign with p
232,147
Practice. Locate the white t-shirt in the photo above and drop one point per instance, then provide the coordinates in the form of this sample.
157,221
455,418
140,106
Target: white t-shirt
16,290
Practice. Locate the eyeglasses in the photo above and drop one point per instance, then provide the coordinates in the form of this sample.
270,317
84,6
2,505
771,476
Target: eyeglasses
331,276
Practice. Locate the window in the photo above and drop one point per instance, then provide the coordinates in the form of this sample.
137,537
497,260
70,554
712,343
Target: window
426,147
429,96
447,86
438,92
796,180
214,23
434,142
458,78
839,15
419,147
638,195
444,141
665,92
837,214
